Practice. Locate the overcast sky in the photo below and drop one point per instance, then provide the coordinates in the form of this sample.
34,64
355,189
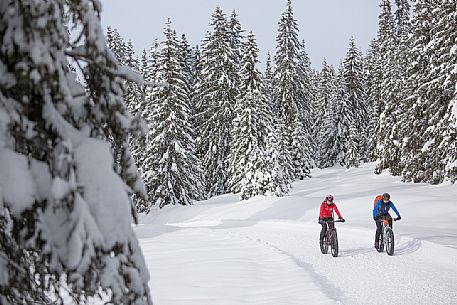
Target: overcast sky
325,25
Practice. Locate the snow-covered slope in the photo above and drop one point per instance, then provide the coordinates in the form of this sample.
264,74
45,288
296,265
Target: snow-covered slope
265,250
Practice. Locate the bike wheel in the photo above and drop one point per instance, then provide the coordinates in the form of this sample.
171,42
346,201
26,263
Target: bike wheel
324,245
334,243
389,242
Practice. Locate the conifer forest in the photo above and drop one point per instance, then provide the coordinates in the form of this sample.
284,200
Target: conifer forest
227,127
88,125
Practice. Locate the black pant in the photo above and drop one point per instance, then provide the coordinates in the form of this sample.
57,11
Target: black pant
379,228
331,225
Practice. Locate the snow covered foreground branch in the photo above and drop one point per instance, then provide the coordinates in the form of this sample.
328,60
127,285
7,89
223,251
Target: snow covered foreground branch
65,204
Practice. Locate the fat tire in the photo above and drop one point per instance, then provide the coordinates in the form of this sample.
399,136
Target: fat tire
334,243
390,242
324,245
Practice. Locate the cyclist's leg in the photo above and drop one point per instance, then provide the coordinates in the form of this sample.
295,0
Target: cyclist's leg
323,231
378,233
331,226
389,218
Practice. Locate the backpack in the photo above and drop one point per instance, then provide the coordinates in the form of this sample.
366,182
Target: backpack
379,197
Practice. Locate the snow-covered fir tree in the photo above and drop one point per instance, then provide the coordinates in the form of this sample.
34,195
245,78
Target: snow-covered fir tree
373,78
283,173
300,150
356,97
292,88
413,158
387,143
186,61
324,129
287,73
65,208
335,139
433,152
237,46
330,141
215,104
305,75
249,172
116,44
308,147
416,133
268,87
352,157
174,172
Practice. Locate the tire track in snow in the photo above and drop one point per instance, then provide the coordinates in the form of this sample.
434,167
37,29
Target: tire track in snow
331,291
422,272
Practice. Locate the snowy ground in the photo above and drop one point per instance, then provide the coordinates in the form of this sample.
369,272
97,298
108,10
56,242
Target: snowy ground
265,251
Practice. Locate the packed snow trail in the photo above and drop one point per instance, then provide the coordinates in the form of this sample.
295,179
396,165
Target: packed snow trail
265,250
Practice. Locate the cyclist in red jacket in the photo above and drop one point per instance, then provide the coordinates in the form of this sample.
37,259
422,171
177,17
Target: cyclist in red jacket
326,213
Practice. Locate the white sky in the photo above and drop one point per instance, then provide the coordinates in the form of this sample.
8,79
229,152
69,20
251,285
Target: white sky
325,25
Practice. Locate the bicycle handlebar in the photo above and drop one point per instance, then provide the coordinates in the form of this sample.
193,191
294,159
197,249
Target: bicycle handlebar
394,219
332,221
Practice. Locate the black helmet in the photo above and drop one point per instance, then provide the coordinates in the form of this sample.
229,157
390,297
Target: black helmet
386,196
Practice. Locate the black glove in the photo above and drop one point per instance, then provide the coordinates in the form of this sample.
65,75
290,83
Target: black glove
320,221
341,219
398,218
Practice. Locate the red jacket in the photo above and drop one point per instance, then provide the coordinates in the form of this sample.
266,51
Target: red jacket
327,210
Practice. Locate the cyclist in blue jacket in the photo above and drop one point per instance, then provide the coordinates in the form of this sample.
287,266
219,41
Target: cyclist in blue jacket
381,210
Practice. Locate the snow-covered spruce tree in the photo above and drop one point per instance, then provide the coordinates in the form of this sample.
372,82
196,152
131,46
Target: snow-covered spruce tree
215,104
413,158
196,81
447,126
440,94
300,150
308,146
134,94
134,100
174,171
330,145
399,87
237,45
387,144
314,80
117,44
249,172
278,158
336,133
352,157
268,87
356,98
65,209
186,61
373,79
323,125
148,108
287,73
305,73
290,91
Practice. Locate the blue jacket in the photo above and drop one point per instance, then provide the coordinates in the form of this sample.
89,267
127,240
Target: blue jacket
382,209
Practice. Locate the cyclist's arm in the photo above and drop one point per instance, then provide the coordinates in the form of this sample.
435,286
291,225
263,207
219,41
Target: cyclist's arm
392,205
376,208
336,210
321,212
